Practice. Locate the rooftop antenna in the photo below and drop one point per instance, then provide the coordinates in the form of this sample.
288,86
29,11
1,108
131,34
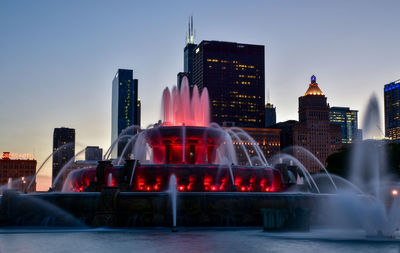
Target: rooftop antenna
190,36
268,96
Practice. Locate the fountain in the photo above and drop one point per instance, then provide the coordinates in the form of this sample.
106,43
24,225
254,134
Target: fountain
368,203
186,145
187,157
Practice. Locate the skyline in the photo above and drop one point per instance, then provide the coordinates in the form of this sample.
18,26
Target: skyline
73,51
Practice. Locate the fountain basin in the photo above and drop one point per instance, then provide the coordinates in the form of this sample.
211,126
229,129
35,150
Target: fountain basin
190,178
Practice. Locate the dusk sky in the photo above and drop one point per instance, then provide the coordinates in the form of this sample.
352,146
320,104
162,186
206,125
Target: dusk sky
58,58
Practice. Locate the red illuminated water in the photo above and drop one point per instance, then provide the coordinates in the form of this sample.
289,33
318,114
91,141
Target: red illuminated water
179,108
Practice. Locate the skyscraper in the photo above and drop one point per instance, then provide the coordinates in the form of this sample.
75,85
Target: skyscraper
64,143
348,121
234,76
125,106
188,56
313,131
270,115
392,110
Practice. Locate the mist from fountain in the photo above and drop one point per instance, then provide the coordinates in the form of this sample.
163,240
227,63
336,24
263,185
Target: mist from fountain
14,184
45,161
130,142
27,210
306,152
278,159
245,136
108,153
368,163
65,167
367,174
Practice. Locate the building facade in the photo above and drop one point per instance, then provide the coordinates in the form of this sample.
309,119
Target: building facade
63,150
233,73
270,115
392,110
268,139
348,121
93,153
313,132
18,170
125,106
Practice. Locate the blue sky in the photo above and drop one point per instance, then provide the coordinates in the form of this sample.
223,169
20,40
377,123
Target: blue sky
58,58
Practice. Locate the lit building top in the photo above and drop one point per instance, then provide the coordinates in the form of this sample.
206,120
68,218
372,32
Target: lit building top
392,85
392,110
313,89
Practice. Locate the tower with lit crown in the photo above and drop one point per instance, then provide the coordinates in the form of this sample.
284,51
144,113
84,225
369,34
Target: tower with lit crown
313,131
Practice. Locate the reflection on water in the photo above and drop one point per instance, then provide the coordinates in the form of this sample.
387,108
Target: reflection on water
250,240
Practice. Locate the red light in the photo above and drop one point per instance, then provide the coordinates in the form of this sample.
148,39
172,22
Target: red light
148,188
156,187
243,188
181,188
395,192
267,189
213,188
238,181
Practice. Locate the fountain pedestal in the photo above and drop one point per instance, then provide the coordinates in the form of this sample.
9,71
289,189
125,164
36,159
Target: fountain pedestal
7,207
107,208
286,219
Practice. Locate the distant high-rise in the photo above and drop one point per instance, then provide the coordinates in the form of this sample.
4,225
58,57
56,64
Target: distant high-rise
270,115
64,143
392,110
188,56
125,106
93,153
234,76
348,121
313,131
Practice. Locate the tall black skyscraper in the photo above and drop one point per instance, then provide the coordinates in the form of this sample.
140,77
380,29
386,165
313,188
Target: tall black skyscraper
188,56
125,105
392,110
62,136
234,76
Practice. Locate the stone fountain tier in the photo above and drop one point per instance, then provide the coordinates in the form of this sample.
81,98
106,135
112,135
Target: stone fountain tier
112,208
185,144
190,178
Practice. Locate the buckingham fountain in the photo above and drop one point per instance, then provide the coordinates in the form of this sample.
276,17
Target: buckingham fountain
185,171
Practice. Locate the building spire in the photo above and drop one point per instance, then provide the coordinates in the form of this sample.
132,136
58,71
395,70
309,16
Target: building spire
313,79
190,37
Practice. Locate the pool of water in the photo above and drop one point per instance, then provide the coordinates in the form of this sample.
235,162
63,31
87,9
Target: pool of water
189,240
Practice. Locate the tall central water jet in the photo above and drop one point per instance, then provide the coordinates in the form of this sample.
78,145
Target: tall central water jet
178,108
368,158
